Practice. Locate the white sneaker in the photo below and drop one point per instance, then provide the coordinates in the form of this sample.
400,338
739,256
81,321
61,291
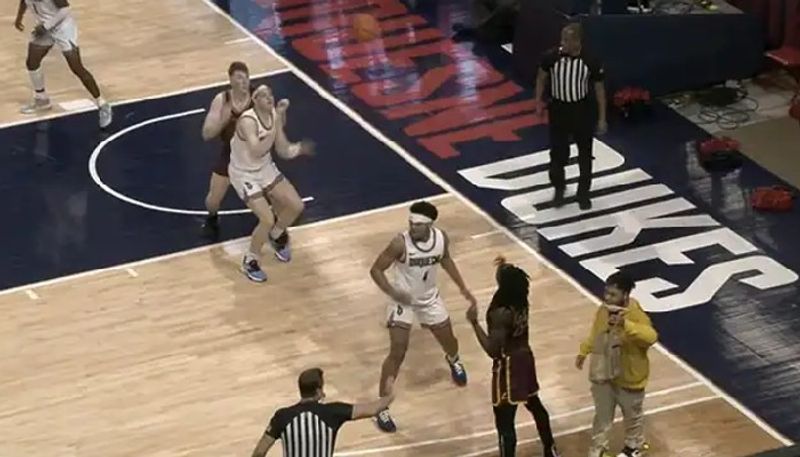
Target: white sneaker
37,105
105,115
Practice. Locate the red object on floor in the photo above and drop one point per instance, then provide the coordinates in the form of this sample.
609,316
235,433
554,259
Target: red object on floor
775,198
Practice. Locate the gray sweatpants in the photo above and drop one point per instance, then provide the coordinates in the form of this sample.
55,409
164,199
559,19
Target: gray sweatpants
606,398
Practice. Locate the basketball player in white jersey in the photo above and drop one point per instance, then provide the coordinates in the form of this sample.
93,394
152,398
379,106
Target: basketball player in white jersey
257,180
56,26
220,122
415,255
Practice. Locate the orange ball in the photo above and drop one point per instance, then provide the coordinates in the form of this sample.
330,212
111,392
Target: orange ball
366,27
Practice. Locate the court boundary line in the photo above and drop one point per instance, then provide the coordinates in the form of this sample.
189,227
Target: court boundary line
436,179
488,432
207,247
571,431
128,101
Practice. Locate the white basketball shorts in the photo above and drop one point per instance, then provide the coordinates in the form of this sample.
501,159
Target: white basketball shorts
64,36
427,315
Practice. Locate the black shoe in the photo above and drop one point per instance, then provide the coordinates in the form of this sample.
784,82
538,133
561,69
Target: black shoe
558,198
211,227
584,203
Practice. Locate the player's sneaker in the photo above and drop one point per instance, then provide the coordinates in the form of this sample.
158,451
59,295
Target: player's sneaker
105,115
385,422
37,105
630,452
552,452
457,371
253,271
281,246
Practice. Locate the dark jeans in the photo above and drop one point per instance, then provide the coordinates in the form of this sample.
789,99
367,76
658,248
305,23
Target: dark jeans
507,433
571,122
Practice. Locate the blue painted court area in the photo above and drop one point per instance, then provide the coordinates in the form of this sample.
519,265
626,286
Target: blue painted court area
72,225
719,280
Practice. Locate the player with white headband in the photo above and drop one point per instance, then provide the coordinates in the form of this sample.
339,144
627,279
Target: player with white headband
415,255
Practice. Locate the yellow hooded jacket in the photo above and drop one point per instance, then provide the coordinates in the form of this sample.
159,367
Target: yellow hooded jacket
636,337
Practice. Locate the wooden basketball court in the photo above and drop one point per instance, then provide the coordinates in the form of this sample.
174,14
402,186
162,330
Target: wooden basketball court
182,356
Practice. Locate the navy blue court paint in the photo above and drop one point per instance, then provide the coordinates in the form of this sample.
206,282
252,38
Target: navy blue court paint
462,116
73,226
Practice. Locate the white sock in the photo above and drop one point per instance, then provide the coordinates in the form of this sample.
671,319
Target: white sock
453,359
99,101
37,82
250,256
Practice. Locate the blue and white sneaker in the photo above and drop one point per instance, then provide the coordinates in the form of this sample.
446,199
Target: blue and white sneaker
281,247
253,270
457,371
385,422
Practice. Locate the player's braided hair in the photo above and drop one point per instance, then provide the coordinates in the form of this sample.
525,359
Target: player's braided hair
513,286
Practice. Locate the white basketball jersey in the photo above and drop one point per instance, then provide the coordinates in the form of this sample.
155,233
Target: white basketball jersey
44,10
241,157
416,274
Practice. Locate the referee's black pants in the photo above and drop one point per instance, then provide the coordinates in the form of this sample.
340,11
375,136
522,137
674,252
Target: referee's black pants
571,122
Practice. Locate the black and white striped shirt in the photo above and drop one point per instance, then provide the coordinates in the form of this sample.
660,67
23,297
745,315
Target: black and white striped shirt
308,429
570,75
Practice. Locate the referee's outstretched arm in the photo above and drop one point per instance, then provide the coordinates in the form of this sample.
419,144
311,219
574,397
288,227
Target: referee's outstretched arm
371,409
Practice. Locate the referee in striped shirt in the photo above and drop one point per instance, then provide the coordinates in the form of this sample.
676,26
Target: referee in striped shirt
309,427
569,72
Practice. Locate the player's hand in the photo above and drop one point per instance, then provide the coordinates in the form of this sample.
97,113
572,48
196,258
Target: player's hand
19,25
39,31
579,361
472,313
307,148
468,297
282,106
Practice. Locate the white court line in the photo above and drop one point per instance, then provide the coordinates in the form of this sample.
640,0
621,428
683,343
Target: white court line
470,436
209,247
445,185
238,40
571,431
132,272
31,294
485,234
56,115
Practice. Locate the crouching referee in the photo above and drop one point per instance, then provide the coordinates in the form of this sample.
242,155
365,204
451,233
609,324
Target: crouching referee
309,427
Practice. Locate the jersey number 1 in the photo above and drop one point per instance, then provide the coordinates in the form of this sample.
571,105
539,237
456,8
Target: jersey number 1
425,276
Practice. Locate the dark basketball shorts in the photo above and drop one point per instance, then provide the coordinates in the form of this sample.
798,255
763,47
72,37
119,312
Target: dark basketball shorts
221,165
514,378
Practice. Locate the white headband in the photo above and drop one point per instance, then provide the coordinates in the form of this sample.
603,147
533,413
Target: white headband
416,218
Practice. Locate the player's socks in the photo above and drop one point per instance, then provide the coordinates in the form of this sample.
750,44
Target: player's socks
385,422
211,227
252,269
280,243
457,370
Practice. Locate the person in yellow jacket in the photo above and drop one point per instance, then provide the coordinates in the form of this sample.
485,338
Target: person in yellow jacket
619,367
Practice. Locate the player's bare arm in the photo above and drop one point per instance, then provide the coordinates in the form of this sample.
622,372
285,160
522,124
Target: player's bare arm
21,9
216,118
452,270
263,446
247,128
285,148
491,342
393,252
